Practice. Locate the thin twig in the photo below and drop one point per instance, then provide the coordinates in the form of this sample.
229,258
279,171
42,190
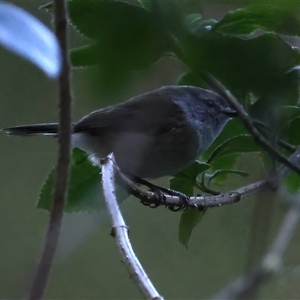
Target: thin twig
271,263
150,197
62,169
263,128
198,201
263,142
120,232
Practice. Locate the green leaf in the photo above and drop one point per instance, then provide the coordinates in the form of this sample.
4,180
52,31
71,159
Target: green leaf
126,36
293,183
269,107
184,181
190,78
182,185
224,163
233,127
85,189
146,4
238,144
264,61
196,25
289,113
219,176
188,221
49,7
84,56
46,192
192,171
124,39
292,132
282,19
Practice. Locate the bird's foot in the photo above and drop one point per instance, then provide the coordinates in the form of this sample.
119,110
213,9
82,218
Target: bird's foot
160,198
185,200
160,195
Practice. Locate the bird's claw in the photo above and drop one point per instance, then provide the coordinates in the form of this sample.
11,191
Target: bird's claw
185,202
160,198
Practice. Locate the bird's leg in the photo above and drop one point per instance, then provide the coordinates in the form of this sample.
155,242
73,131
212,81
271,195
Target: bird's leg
159,191
160,198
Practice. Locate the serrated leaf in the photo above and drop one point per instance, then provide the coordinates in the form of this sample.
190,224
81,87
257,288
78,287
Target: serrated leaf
125,39
24,35
46,192
219,175
102,20
127,36
188,221
85,189
238,144
276,18
49,7
264,61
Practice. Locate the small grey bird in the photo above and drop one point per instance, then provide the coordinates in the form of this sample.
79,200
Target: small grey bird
151,135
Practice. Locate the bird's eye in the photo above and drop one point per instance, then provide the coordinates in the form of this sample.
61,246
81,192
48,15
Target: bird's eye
210,103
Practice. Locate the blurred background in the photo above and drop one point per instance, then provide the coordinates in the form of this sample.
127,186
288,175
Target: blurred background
228,241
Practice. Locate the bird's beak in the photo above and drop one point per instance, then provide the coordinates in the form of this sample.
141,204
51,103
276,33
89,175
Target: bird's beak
229,112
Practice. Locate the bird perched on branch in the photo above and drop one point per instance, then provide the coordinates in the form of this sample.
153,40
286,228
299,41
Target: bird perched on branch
154,134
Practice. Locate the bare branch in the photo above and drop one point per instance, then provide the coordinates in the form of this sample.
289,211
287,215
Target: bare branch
263,142
271,264
198,201
272,261
150,197
120,232
62,168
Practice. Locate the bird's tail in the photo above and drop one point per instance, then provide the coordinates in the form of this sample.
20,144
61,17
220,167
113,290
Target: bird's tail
34,129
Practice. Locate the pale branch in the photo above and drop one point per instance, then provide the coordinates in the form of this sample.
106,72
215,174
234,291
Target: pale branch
62,168
249,124
271,263
120,232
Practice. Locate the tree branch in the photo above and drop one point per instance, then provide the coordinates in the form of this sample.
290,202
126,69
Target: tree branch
120,232
150,197
271,263
62,168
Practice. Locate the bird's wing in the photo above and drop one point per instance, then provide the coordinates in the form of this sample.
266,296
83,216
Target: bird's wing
150,112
